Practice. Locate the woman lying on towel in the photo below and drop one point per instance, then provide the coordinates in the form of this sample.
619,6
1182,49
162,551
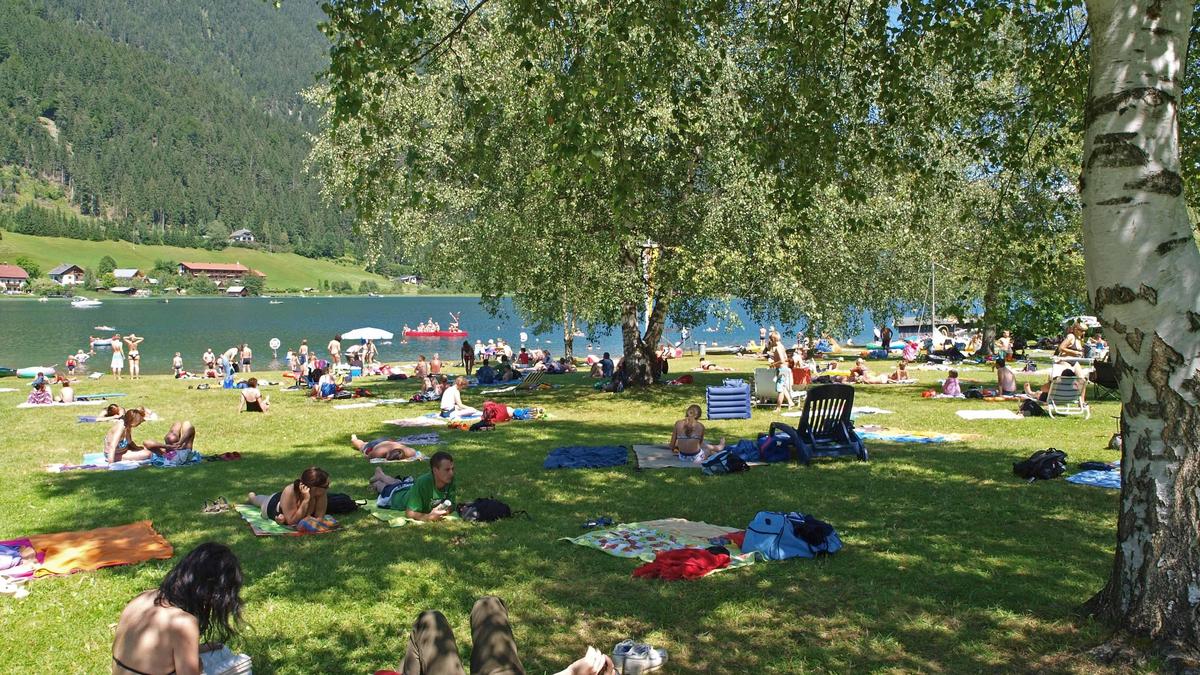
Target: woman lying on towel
385,448
687,438
305,497
160,631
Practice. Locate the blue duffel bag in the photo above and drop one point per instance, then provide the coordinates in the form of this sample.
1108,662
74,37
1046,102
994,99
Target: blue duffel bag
779,536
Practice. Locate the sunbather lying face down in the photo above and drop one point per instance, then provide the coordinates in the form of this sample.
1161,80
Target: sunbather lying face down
385,448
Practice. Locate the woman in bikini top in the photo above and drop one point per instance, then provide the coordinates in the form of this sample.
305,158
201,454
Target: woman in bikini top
687,438
160,630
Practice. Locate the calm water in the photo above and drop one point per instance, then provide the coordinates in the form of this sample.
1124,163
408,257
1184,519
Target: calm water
43,333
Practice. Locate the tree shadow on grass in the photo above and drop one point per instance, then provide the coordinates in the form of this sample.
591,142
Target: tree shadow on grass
944,565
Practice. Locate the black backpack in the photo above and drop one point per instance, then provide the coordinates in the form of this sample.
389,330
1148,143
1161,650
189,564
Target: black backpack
486,510
1042,465
1032,408
337,502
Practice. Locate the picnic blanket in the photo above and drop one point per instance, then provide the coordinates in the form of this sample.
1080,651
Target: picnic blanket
269,528
396,518
58,404
370,404
1104,479
586,457
661,457
989,415
644,540
877,433
93,398
87,550
433,419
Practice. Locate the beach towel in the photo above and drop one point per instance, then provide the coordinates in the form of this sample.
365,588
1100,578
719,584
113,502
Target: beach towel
370,404
430,438
644,540
95,398
989,415
854,412
433,419
95,376
30,558
60,405
70,552
396,518
1104,479
902,437
5,390
269,528
586,457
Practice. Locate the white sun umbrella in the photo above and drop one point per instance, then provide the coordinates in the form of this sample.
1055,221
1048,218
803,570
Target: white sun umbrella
367,334
1088,321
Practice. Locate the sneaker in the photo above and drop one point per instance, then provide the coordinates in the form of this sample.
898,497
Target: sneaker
639,658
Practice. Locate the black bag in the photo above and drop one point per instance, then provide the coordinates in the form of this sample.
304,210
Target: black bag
338,502
486,510
973,393
1042,465
1032,408
724,462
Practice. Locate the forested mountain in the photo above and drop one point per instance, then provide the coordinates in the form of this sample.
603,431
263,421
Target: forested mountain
269,54
155,122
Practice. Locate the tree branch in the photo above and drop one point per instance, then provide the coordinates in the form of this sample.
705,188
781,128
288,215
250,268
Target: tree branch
453,31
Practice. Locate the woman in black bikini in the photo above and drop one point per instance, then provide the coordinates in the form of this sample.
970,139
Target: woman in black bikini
687,438
160,631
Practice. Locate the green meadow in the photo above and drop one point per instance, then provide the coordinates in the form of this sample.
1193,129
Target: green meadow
951,564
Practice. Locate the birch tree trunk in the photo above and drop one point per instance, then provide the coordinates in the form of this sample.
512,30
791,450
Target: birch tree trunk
641,364
1143,274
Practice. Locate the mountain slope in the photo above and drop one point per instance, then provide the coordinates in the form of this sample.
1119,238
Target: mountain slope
132,137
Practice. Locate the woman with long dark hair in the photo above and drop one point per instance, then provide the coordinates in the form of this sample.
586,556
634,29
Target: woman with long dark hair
305,497
161,630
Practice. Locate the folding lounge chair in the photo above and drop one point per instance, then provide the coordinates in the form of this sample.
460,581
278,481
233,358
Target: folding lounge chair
1066,397
764,386
825,428
1104,381
532,381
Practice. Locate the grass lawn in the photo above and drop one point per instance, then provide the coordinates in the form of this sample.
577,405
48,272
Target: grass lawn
951,564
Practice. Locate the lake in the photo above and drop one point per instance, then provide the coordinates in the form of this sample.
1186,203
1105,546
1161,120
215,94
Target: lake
43,333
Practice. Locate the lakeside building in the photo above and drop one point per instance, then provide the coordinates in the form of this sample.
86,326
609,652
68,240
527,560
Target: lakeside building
13,278
67,274
218,272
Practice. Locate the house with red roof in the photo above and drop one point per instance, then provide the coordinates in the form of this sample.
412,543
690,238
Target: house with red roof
218,271
13,278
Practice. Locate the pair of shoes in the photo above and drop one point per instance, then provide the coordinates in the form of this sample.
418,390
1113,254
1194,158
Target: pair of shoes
634,658
598,522
218,505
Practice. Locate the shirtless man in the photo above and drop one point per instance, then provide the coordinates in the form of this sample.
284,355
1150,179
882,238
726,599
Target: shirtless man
385,448
1006,379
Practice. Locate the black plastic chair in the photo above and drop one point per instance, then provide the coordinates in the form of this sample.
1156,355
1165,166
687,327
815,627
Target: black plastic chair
825,428
1104,381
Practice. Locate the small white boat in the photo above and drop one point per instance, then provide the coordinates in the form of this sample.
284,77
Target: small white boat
43,299
275,302
81,302
105,328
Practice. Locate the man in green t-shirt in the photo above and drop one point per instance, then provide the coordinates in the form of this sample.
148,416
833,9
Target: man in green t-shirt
430,497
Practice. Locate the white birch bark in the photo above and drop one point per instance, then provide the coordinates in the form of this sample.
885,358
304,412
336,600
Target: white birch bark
1143,274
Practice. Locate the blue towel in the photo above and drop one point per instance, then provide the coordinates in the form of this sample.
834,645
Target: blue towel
899,438
1104,479
586,457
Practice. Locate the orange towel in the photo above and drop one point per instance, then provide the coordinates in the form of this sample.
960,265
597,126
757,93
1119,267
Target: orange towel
69,552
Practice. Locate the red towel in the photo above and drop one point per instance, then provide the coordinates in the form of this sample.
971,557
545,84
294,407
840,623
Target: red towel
683,563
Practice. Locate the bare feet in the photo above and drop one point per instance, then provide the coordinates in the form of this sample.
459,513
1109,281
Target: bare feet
250,497
356,442
721,445
379,474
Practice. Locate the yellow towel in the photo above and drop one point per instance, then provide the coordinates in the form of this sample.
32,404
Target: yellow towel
69,552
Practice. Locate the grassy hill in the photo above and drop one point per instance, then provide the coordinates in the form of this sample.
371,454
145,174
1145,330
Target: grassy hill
283,270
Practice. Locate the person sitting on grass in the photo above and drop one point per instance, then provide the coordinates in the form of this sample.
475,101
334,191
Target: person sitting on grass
40,394
119,443
430,497
252,398
687,437
486,373
181,436
385,448
505,372
161,630
452,404
1006,379
900,374
950,386
304,498
431,646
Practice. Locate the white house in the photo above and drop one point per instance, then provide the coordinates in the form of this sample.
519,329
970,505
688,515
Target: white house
13,278
239,291
67,274
243,235
127,273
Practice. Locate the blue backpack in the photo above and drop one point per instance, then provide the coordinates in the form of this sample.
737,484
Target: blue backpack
789,535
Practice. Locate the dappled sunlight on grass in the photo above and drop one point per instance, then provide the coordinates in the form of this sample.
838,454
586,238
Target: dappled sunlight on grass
951,564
